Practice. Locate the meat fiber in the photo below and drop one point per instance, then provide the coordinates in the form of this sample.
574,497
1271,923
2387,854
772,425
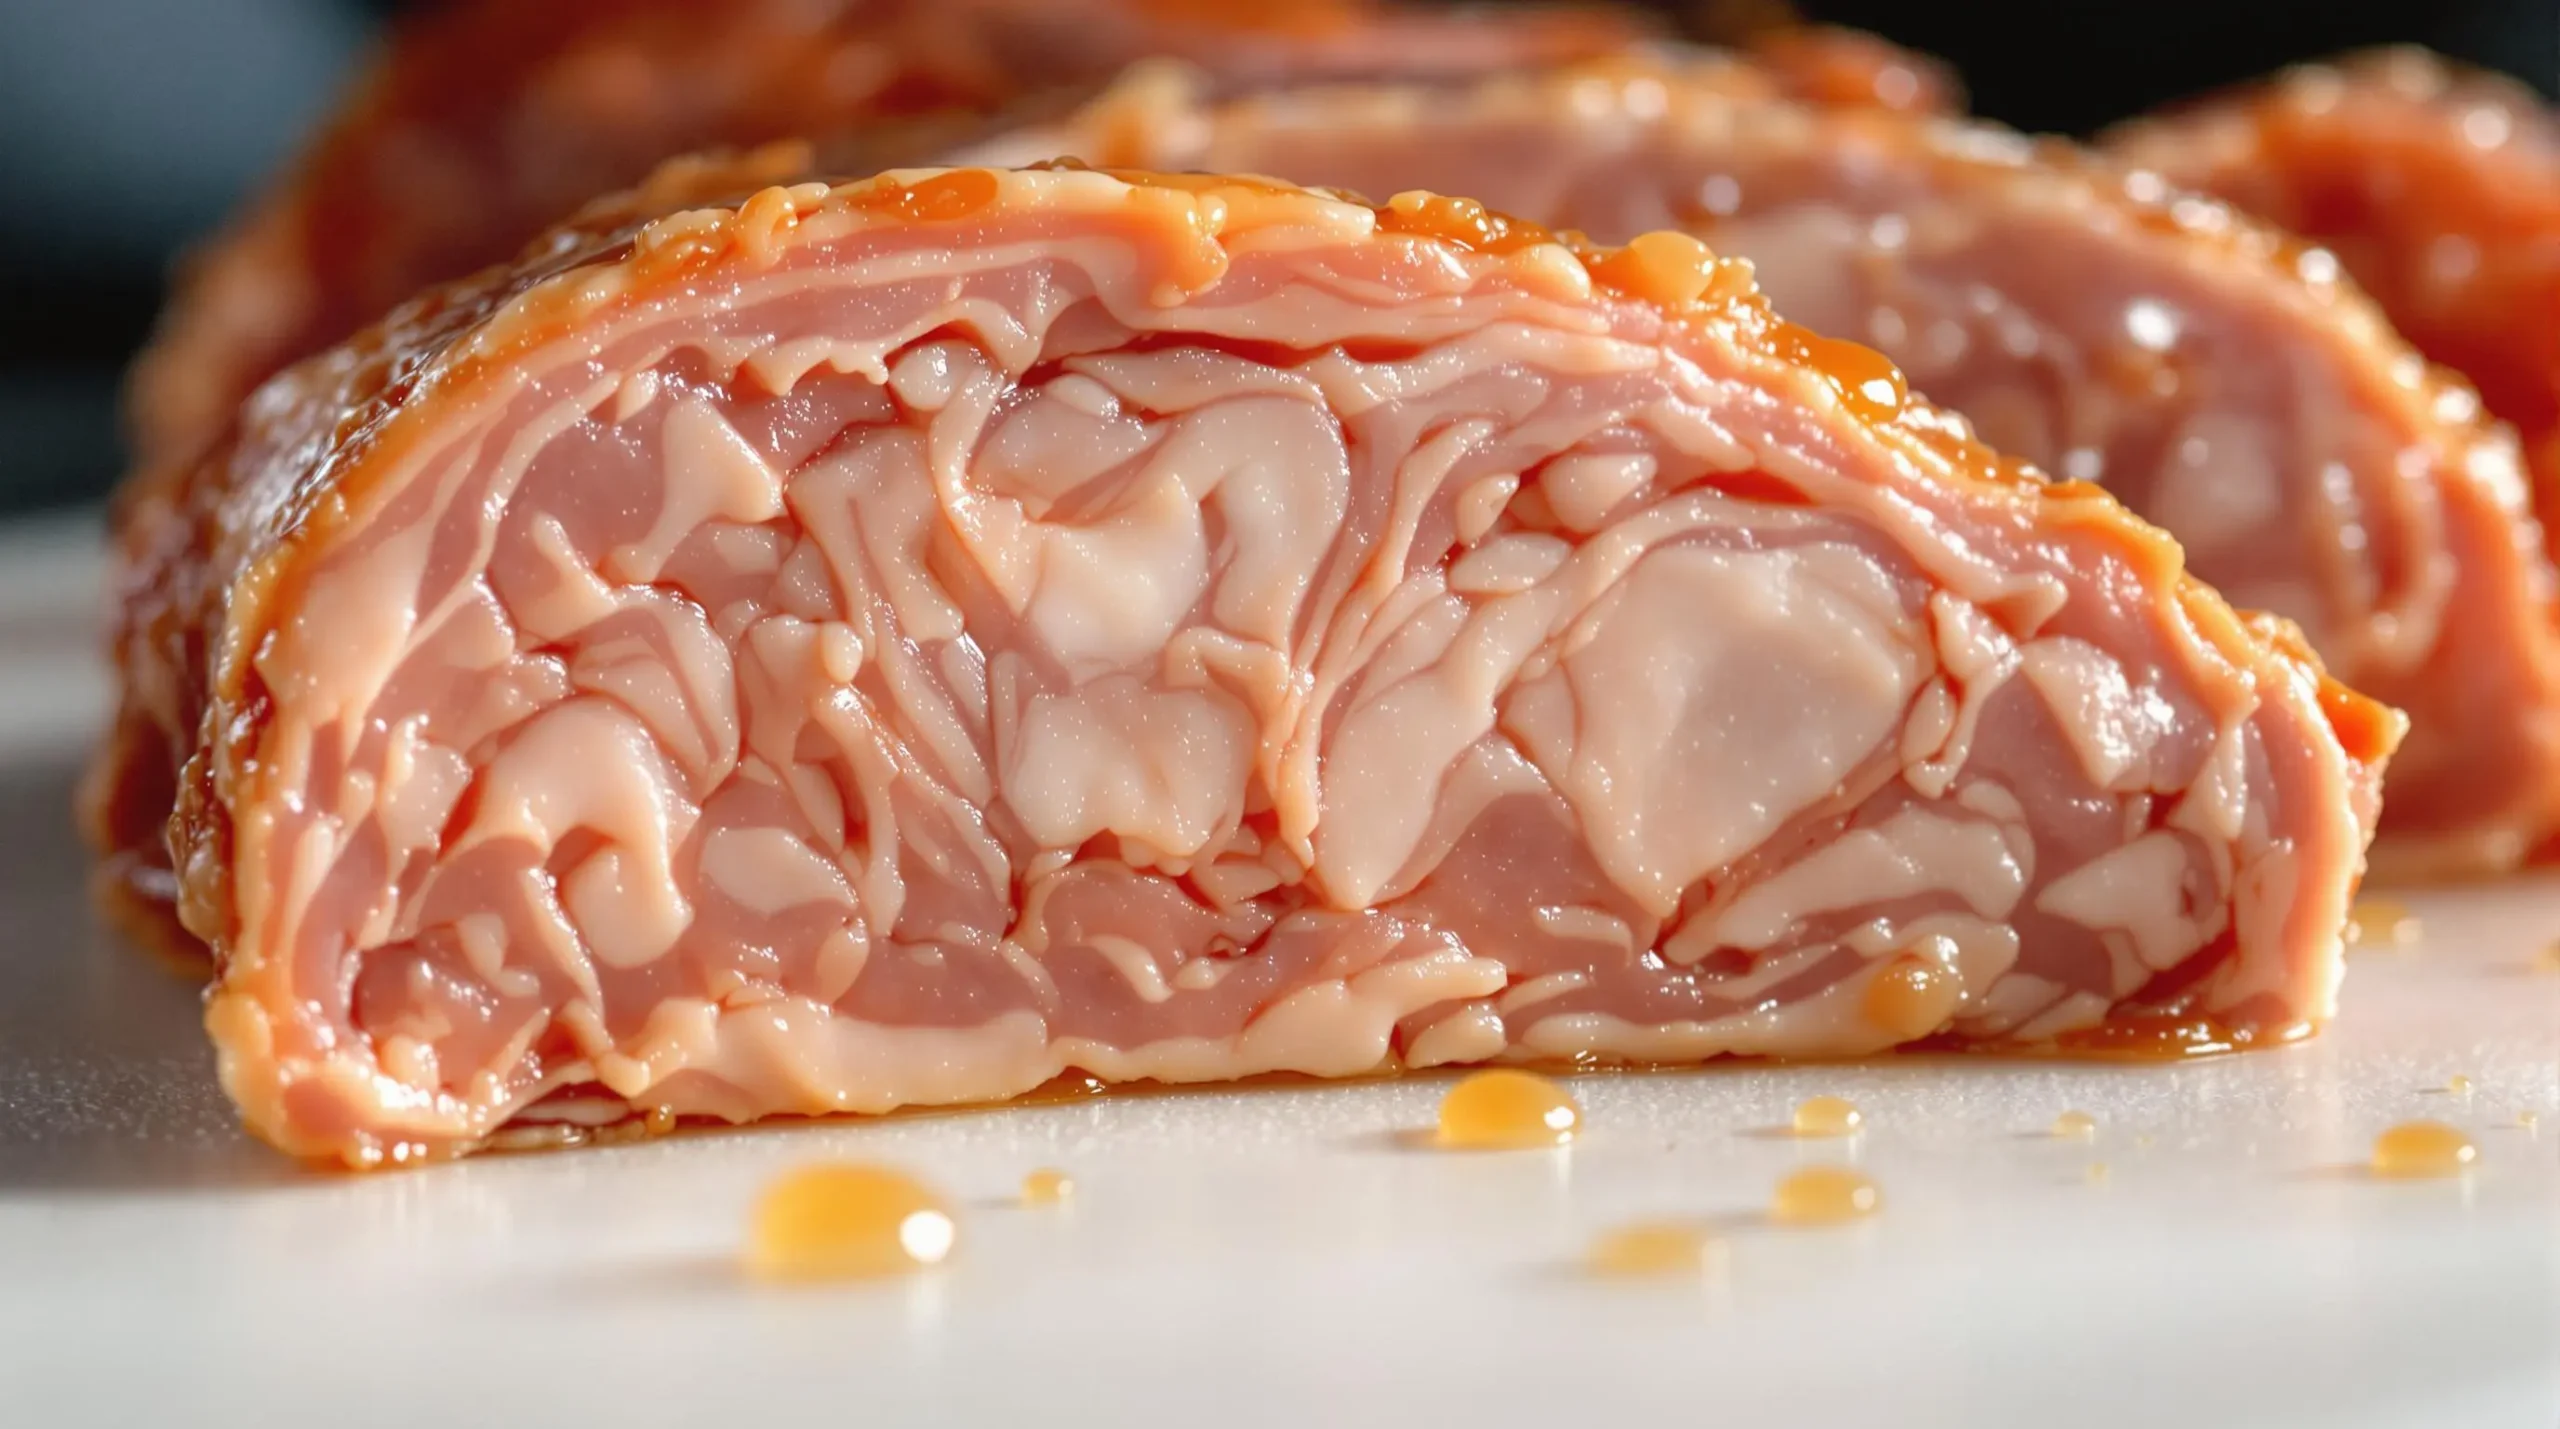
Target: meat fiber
2438,188
899,643
2222,381
486,121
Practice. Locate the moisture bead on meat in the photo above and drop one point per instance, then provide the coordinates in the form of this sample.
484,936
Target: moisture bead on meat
2219,380
898,643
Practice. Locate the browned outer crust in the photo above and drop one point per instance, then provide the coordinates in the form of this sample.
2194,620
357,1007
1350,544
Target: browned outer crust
203,566
484,121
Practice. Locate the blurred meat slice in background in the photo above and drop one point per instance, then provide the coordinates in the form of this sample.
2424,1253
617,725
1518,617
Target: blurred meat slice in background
136,125
485,120
2438,188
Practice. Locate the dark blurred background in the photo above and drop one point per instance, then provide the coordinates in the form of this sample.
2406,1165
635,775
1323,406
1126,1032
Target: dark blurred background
129,127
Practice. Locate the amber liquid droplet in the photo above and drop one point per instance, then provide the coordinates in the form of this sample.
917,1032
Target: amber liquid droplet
2076,1126
2416,1149
847,1221
2381,923
1870,386
1505,1109
961,193
1824,1195
1461,221
2459,1085
1655,1248
2528,1120
1672,269
1047,1187
1828,1116
2097,1173
1912,997
2548,960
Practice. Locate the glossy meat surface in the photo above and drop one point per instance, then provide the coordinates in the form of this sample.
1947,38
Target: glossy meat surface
1827,65
2220,380
898,643
2438,188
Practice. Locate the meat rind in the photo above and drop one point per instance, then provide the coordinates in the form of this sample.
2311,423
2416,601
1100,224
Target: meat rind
899,642
2222,380
2436,186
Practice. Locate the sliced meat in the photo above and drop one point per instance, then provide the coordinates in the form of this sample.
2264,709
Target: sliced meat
1823,64
898,643
2220,380
2438,188
486,121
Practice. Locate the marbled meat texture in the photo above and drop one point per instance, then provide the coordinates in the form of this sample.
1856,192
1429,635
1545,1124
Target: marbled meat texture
2221,380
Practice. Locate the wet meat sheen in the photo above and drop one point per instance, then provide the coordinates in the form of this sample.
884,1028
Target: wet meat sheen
896,643
2438,188
2221,381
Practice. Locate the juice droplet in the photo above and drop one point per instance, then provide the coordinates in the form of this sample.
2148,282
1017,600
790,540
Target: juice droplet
1827,1116
2548,960
2381,922
1047,1187
2459,1085
845,1221
1913,997
1461,221
2416,1149
2076,1126
961,193
2527,1120
2097,1173
1870,386
1823,1196
1505,1109
1655,1248
1672,269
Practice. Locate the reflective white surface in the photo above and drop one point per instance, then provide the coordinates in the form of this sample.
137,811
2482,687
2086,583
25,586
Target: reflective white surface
1283,1257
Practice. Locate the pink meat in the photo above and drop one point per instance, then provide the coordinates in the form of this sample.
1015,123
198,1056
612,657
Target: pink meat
2437,186
2220,381
900,643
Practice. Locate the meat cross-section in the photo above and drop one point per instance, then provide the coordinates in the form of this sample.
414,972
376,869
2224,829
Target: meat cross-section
2221,380
898,643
